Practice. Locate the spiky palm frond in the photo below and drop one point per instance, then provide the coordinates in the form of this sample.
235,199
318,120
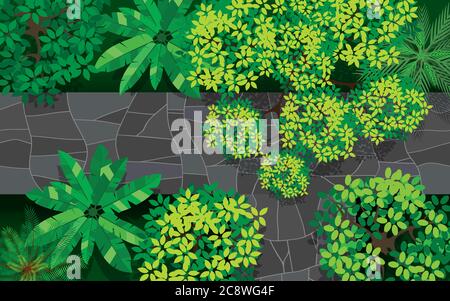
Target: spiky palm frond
424,54
19,261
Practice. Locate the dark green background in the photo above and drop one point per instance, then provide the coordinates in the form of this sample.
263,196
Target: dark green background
110,82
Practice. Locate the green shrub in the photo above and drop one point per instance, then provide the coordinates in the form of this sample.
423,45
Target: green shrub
387,220
88,206
156,38
201,234
41,50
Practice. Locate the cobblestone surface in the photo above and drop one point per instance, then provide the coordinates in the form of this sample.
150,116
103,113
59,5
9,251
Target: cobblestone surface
138,126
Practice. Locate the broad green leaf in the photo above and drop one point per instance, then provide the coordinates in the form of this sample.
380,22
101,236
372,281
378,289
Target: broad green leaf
156,70
68,243
123,53
50,199
74,174
177,74
137,67
54,227
109,179
121,229
135,192
88,239
113,250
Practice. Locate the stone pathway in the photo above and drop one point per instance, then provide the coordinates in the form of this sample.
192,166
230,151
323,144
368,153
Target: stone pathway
137,126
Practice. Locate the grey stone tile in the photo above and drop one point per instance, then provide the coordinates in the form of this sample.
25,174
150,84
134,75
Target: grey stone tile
296,276
157,126
148,103
193,164
136,170
194,180
433,155
172,160
15,153
133,123
191,113
342,167
268,262
289,221
271,278
94,131
51,146
436,122
440,102
48,166
368,166
225,176
267,201
435,177
94,105
58,125
115,117
246,183
6,101
303,253
426,141
316,274
13,117
281,247
15,181
391,151
143,149
170,186
60,105
176,101
23,135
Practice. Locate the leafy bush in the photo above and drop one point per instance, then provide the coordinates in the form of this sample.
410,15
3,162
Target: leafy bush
42,50
287,178
219,124
88,206
299,44
156,38
21,262
388,219
203,234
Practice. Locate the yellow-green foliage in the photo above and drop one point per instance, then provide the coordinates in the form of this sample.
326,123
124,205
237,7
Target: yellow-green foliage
388,108
298,41
203,234
287,178
246,140
321,123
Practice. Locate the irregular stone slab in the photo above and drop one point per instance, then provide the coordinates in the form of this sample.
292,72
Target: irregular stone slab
246,183
195,180
268,262
15,153
133,124
436,122
95,105
13,117
440,102
15,180
265,200
290,223
303,253
176,101
48,167
435,177
60,105
95,131
271,278
225,176
115,117
51,146
437,154
190,113
58,125
157,126
22,135
148,103
342,167
427,140
137,170
7,101
391,151
368,166
193,164
170,186
316,274
171,160
143,149
296,276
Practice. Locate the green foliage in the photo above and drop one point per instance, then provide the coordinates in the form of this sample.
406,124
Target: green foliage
299,44
88,206
156,39
287,178
388,219
203,234
424,53
41,50
236,119
19,261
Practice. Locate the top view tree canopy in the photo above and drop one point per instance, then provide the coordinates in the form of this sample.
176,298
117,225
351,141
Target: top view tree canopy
42,49
300,43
